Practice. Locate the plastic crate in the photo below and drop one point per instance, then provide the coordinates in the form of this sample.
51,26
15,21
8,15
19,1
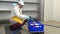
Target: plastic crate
35,26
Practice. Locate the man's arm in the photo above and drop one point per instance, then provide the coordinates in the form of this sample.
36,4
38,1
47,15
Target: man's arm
20,15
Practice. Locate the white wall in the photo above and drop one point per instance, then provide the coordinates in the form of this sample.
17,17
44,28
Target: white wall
52,10
9,6
5,6
33,14
56,9
31,7
23,0
9,0
30,0
48,10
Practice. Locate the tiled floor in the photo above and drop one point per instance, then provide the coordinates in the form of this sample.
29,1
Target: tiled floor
48,29
54,27
52,30
51,27
52,23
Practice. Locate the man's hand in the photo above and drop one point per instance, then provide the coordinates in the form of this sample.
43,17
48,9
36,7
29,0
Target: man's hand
27,17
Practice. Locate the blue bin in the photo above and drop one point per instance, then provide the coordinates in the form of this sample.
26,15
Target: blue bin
35,26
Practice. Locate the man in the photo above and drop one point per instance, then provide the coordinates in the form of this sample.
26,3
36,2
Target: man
17,11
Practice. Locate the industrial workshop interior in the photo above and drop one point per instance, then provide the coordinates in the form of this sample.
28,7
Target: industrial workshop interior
38,17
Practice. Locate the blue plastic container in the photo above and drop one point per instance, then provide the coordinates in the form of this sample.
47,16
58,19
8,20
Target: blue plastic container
35,26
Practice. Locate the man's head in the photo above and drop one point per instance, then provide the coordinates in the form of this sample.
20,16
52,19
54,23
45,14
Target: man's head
20,4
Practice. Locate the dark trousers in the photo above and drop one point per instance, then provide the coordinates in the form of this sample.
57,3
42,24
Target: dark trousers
16,31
